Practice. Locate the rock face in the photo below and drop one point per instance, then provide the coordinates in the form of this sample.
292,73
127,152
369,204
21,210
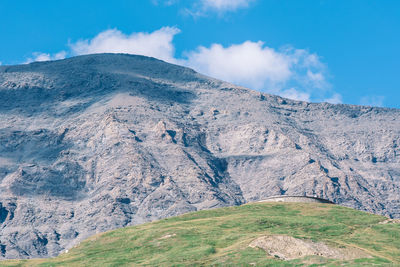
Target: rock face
97,142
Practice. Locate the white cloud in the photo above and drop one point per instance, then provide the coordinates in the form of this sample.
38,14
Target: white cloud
295,94
156,44
289,72
37,56
225,5
317,78
201,8
334,99
372,100
249,64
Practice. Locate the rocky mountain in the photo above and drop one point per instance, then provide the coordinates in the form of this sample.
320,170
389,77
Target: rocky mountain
97,142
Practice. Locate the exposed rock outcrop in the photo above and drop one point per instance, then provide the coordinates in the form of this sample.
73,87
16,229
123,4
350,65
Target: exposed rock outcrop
289,248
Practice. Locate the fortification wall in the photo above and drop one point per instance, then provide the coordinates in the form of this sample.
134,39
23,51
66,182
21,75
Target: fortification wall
296,199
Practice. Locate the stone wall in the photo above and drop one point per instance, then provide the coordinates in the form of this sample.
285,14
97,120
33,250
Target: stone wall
296,199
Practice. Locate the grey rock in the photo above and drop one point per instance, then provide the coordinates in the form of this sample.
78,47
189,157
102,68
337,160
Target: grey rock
97,142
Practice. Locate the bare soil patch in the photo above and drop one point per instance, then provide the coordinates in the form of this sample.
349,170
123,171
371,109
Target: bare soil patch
290,248
167,236
390,221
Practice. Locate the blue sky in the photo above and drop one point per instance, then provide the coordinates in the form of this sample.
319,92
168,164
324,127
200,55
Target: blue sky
343,51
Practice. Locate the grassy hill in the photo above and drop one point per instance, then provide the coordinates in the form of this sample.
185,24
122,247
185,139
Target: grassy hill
222,237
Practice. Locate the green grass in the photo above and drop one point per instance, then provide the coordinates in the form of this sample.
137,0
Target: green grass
220,237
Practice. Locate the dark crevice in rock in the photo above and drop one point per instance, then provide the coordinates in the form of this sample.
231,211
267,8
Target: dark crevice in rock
3,213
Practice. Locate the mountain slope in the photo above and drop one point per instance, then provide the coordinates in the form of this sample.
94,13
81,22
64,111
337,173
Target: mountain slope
98,142
324,234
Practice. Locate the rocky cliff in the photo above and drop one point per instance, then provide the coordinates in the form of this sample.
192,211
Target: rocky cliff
97,142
